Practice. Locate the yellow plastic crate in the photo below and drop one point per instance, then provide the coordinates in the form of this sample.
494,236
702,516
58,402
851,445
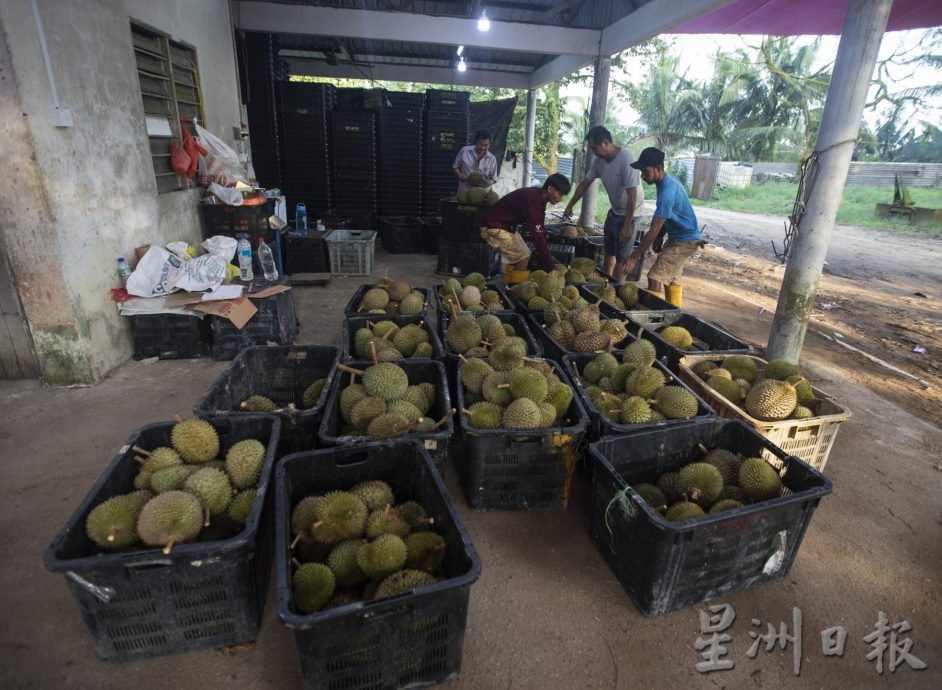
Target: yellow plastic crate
809,439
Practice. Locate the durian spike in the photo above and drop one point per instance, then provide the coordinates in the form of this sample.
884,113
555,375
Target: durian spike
205,517
145,453
169,546
373,352
295,562
350,370
294,542
177,418
702,448
444,419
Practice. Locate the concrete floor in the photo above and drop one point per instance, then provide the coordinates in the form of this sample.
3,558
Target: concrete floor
547,612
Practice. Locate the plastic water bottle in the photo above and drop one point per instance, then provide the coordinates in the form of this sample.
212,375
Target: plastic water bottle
267,260
300,219
124,271
320,226
245,260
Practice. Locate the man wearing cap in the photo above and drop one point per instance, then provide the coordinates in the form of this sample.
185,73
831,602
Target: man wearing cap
476,157
525,205
612,165
673,215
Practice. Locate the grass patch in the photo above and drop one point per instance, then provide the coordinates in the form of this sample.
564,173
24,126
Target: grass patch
857,206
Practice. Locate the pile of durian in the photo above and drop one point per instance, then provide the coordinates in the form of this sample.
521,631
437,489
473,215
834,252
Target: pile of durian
571,231
560,285
262,403
634,391
625,297
482,335
478,194
359,545
722,480
390,296
388,342
774,393
180,490
472,296
510,391
582,329
385,404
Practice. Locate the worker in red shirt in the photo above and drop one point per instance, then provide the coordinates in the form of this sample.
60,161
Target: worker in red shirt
527,205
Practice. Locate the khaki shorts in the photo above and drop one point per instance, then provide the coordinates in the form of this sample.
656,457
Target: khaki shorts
670,262
511,245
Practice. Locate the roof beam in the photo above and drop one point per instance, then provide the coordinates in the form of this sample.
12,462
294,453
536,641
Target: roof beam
404,26
651,19
421,75
557,68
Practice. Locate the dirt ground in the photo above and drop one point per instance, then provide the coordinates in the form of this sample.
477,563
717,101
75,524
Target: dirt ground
547,612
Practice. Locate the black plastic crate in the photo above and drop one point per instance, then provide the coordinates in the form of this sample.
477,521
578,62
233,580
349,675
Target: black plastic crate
433,232
220,219
351,307
418,371
552,347
489,285
594,248
401,234
275,323
461,222
665,566
525,469
600,425
648,303
339,218
281,374
562,253
707,338
305,253
352,323
410,640
140,604
403,99
447,99
462,258
170,336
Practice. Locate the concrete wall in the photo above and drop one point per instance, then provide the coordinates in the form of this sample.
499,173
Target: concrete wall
85,195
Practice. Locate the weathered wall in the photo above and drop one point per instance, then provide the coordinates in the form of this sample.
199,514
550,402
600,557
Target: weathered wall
91,195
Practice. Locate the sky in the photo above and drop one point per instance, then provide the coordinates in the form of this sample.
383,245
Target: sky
696,51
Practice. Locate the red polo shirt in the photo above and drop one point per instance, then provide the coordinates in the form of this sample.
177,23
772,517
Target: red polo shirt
523,206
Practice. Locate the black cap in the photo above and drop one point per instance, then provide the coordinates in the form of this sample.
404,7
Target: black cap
650,157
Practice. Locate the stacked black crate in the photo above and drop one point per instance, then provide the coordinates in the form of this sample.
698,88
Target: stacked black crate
265,77
445,133
307,155
399,129
354,163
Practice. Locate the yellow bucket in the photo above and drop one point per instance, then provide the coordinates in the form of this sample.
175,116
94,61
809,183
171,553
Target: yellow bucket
675,294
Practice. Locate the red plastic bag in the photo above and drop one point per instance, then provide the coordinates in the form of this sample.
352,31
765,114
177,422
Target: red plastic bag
192,147
179,159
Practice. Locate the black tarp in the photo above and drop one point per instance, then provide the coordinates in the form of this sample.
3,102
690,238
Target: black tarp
494,116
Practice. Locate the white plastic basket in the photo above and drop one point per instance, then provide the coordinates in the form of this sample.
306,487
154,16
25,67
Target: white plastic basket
351,251
810,439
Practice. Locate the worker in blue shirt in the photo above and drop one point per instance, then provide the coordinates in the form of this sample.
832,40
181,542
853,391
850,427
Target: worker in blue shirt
674,216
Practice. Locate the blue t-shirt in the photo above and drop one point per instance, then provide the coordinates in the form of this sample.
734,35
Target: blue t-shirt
674,207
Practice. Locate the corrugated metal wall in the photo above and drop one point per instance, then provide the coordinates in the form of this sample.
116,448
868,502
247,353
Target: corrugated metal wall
860,174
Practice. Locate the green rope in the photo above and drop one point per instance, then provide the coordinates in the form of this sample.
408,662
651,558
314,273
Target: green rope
627,506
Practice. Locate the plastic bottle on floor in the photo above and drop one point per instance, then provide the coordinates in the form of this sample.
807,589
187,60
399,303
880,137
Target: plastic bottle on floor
267,261
124,271
245,260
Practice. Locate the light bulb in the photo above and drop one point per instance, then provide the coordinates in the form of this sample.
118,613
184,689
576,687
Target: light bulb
462,66
484,23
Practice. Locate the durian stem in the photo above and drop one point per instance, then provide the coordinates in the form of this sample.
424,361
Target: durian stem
177,418
466,411
373,352
295,562
145,453
138,458
575,368
421,323
458,301
316,525
444,419
294,542
503,385
350,370
169,546
111,533
462,358
703,448
205,517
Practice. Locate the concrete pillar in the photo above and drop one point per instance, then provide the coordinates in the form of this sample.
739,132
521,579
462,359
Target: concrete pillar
597,110
529,135
863,30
